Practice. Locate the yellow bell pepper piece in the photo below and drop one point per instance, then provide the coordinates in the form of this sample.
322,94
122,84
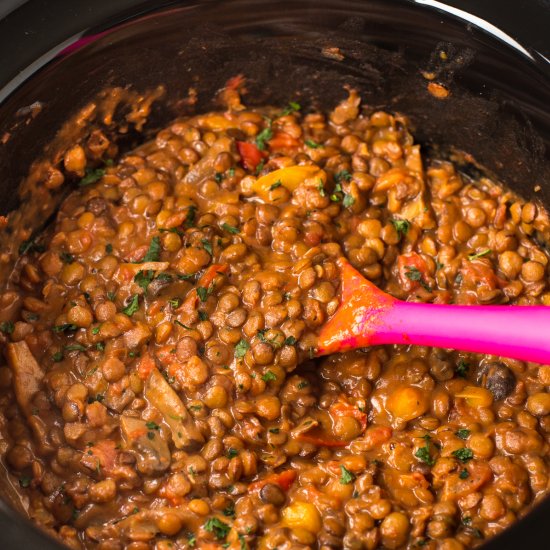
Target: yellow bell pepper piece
217,123
290,178
476,397
302,515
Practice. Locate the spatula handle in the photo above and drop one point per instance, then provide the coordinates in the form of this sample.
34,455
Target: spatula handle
520,332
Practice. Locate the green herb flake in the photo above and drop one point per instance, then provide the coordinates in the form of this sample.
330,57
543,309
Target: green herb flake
269,376
231,453
64,327
218,176
479,254
321,188
150,435
303,384
462,433
25,481
241,348
275,185
143,278
153,253
342,176
402,226
346,477
152,425
202,293
175,302
312,144
96,330
195,407
7,327
132,306
57,356
179,323
265,135
423,453
290,341
191,540
229,510
230,229
348,201
413,274
66,258
92,175
231,172
30,246
75,347
463,454
100,346
217,527
111,296
203,316
462,369
291,108
191,216
274,430
464,474
259,167
109,248
207,245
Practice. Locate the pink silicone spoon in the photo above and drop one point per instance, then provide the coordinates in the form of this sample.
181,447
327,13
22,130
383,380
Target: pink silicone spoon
367,316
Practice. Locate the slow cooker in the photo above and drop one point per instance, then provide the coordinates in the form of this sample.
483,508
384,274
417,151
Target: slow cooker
58,56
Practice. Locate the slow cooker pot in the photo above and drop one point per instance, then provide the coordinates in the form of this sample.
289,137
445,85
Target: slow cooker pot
56,58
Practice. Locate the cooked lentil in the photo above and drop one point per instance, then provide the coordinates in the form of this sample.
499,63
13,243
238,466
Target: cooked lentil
162,390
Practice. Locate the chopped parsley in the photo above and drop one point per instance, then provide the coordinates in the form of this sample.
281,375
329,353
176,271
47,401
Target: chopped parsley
348,201
259,167
92,175
423,453
66,258
175,302
290,341
265,135
275,185
218,176
75,347
230,228
64,327
402,226
202,293
463,454
321,188
479,254
207,245
152,425
291,108
109,248
150,435
343,175
57,356
195,407
346,477
191,539
269,376
191,215
96,330
462,369
153,253
179,323
144,278
274,430
241,348
25,481
303,384
229,510
132,306
312,144
413,274
7,327
231,453
217,527
174,230
29,246
464,474
203,316
462,433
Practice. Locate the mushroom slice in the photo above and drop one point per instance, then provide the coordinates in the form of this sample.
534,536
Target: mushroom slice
27,374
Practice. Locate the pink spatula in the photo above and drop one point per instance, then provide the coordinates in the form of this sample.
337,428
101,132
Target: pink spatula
367,316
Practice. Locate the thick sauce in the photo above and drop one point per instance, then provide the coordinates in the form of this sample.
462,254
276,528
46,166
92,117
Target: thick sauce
161,389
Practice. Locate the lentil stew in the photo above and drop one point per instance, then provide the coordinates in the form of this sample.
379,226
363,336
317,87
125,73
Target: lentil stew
161,388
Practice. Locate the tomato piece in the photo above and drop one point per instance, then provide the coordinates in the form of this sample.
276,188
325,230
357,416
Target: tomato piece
479,473
342,408
145,366
283,479
101,455
412,271
376,436
282,140
479,273
215,269
250,154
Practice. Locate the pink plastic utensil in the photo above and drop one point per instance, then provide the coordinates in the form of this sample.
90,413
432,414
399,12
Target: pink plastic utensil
367,317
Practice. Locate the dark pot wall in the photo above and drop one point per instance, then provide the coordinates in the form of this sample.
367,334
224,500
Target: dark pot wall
497,111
